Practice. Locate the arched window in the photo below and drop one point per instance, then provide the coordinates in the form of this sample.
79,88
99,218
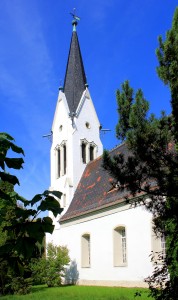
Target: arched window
65,158
120,246
64,200
58,162
85,250
83,146
61,161
91,152
158,248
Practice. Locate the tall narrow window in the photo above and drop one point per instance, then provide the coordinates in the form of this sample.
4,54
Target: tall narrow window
85,251
158,248
58,163
83,152
65,158
64,200
120,247
123,242
91,152
163,246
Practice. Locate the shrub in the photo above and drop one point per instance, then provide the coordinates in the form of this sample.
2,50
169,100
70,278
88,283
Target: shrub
51,270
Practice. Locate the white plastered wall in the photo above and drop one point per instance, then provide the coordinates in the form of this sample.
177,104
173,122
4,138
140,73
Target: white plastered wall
72,134
137,222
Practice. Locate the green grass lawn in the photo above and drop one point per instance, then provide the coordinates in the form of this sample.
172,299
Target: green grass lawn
82,293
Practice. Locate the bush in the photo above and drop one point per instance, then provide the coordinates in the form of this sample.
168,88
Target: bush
20,285
51,270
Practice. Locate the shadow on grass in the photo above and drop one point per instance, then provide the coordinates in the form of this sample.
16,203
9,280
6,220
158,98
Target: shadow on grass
42,288
39,288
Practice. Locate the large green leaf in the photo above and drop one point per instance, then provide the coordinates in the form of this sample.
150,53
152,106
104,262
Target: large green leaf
22,199
25,246
15,163
24,213
6,248
50,204
35,230
56,194
17,149
47,224
5,196
36,199
2,165
4,135
38,228
6,143
10,178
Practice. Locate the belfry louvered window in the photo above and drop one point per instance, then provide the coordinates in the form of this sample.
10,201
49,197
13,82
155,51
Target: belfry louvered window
83,153
58,163
88,151
61,163
91,152
65,158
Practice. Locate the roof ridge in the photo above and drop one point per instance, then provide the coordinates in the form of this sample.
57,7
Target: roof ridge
117,146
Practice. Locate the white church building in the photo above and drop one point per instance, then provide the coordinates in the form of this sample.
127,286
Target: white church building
109,240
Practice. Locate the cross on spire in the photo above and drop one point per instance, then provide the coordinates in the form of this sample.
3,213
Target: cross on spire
75,19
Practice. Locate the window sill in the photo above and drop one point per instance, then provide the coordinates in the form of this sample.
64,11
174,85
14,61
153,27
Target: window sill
121,265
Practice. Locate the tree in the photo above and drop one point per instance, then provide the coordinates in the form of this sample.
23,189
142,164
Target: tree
51,270
8,207
167,70
26,230
151,167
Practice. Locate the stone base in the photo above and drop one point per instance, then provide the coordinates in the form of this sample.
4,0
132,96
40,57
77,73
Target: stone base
130,284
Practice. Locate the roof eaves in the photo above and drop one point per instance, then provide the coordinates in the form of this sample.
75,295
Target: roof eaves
130,200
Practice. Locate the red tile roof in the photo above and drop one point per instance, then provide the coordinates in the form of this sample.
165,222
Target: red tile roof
95,190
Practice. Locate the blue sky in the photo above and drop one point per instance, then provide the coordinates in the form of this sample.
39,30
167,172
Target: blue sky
118,39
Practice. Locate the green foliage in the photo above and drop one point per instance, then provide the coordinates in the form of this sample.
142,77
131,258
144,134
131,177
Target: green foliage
6,208
151,165
38,268
51,270
19,285
124,101
167,54
23,230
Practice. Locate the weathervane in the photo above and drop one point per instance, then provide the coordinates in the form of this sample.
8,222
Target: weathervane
49,136
60,85
104,130
74,15
75,19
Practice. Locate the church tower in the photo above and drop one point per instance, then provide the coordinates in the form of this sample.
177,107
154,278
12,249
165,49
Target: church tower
76,137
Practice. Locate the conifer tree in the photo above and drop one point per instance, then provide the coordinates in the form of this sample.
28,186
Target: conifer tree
151,169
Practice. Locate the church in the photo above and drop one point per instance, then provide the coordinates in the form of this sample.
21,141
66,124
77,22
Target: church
109,240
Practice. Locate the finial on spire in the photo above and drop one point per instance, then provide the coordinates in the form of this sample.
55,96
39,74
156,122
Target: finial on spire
61,86
75,19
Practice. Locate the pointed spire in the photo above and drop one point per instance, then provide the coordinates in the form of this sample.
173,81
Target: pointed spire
75,78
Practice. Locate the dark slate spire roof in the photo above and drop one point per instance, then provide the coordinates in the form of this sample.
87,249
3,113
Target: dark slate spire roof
75,78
